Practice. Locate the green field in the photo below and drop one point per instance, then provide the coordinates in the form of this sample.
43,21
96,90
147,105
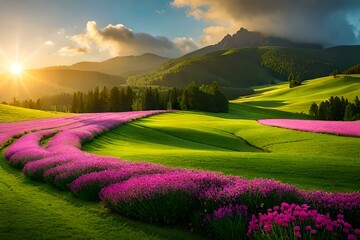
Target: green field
232,143
236,144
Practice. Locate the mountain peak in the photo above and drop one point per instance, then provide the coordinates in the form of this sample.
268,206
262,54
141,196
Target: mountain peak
246,38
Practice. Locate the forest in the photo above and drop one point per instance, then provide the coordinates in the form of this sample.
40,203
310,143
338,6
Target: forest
207,97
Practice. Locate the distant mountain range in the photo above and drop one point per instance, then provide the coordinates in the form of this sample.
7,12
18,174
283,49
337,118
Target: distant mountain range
124,66
247,59
242,60
251,66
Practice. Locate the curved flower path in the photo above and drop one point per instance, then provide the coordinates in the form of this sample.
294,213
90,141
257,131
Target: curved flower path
211,201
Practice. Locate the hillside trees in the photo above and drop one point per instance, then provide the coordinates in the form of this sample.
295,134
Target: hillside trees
353,70
207,97
336,109
114,100
294,80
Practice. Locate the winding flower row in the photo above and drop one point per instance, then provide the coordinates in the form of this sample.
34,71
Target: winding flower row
222,206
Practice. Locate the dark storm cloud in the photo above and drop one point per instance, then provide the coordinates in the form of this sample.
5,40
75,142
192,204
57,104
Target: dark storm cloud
327,21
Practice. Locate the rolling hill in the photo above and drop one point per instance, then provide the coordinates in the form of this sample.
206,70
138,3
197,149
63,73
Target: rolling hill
250,66
127,65
299,99
38,83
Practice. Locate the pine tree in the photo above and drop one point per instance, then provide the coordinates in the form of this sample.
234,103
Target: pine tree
114,100
96,100
74,106
90,107
128,99
122,100
81,103
104,100
173,99
314,110
350,112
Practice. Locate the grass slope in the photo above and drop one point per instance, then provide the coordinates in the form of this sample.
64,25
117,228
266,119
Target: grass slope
299,99
12,114
227,143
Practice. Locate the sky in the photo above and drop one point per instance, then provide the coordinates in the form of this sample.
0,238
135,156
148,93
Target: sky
39,33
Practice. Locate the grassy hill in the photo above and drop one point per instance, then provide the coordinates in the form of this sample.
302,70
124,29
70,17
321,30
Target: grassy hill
236,144
299,99
12,114
247,67
127,65
37,83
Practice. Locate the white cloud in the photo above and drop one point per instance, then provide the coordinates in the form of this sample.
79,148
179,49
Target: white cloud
160,11
120,40
72,51
186,45
49,43
60,31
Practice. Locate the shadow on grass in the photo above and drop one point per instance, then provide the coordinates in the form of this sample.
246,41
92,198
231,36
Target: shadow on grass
199,140
248,111
266,104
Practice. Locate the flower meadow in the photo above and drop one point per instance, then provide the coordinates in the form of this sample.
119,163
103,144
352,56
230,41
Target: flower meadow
317,126
216,205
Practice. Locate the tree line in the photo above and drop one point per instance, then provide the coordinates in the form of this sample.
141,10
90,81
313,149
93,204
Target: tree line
353,70
207,97
337,109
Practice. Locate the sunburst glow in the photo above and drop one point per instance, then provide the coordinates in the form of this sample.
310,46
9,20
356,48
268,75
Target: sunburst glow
16,69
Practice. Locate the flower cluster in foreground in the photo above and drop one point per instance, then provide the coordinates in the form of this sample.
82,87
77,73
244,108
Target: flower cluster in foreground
291,221
220,206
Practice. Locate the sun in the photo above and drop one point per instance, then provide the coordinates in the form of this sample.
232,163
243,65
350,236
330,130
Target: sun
16,69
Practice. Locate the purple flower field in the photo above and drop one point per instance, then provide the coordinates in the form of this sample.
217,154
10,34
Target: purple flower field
225,207
347,128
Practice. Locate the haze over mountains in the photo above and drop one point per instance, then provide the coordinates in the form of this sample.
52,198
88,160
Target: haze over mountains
127,65
81,76
38,83
243,60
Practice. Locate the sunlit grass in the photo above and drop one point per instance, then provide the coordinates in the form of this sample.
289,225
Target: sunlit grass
11,114
299,99
218,142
